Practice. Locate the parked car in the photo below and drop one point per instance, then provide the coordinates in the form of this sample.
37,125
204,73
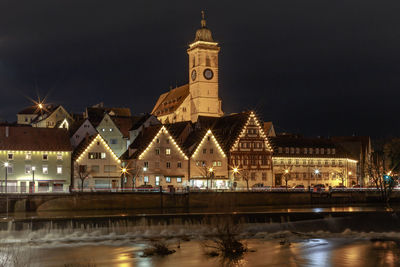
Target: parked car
145,187
298,187
260,187
319,188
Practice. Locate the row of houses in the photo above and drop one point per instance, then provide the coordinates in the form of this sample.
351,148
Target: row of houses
109,149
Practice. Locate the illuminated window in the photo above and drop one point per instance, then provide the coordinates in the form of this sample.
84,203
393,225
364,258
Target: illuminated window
59,156
214,163
45,169
103,155
28,156
179,179
146,179
59,169
111,129
168,179
45,156
28,169
157,180
219,163
167,151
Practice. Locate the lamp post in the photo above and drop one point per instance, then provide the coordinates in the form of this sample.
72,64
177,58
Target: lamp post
6,171
211,171
123,178
235,172
144,170
33,179
5,180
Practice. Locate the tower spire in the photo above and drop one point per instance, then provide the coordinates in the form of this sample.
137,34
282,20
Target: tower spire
203,20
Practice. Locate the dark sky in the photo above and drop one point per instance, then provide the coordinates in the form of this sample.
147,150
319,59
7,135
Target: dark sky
315,67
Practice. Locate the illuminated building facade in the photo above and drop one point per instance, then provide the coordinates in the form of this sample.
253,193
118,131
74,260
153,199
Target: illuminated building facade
95,161
37,160
311,161
200,97
45,116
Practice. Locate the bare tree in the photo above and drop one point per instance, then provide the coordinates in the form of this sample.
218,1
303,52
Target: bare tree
286,174
380,177
206,173
246,177
82,172
341,175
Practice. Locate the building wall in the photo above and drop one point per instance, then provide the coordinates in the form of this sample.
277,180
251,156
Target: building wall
57,115
21,175
155,162
209,155
104,172
86,129
311,171
182,113
110,132
25,118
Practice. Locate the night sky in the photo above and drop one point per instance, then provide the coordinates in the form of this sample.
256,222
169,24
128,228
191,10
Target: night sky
312,67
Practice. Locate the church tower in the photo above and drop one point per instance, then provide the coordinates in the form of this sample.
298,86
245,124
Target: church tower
203,74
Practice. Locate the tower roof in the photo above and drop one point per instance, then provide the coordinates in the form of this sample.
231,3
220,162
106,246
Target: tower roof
203,34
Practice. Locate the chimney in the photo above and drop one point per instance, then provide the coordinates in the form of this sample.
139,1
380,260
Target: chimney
7,130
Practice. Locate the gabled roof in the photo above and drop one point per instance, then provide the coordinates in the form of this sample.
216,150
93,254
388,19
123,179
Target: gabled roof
28,138
199,143
49,108
124,124
170,101
85,145
148,134
138,121
96,114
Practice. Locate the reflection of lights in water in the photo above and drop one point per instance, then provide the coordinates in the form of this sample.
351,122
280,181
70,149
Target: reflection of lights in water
317,253
317,210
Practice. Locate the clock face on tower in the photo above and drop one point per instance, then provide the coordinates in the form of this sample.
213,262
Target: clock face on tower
194,74
208,74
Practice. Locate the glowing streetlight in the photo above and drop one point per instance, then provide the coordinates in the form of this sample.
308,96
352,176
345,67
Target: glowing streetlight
350,173
40,105
286,171
316,171
211,169
33,179
235,170
123,178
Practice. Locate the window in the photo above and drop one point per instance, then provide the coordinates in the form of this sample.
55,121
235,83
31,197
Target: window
146,179
168,165
59,156
10,168
45,169
297,150
322,151
157,180
279,150
333,151
219,163
45,156
103,130
103,155
110,168
208,138
168,179
214,163
113,141
264,176
179,164
328,151
96,155
157,151
158,141
292,150
28,156
286,150
95,168
305,150
146,164
28,169
111,129
179,179
10,156
211,151
204,151
59,169
167,151
253,176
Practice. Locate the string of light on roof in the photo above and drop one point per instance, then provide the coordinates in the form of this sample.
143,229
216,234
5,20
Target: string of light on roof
209,133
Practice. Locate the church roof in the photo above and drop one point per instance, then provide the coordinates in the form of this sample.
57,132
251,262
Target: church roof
170,101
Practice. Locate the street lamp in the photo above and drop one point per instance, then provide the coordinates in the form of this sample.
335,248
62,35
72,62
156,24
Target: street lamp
33,179
211,171
123,179
5,168
144,170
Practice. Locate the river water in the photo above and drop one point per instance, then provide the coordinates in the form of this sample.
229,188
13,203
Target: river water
324,242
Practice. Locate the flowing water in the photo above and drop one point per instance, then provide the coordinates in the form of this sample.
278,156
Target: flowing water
325,242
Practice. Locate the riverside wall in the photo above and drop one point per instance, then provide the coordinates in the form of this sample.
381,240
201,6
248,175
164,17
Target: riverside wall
209,201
